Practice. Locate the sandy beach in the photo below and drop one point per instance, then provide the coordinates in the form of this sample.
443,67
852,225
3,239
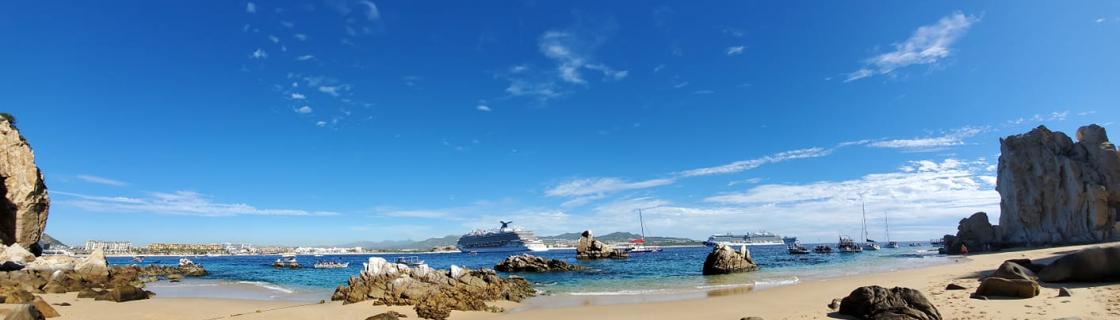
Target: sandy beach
806,300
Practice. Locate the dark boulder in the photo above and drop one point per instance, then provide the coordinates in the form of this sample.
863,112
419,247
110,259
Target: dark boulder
1012,270
1088,265
975,233
529,263
954,286
388,315
124,293
1013,288
875,302
589,249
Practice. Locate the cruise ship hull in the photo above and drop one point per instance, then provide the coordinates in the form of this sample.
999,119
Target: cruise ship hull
749,244
535,247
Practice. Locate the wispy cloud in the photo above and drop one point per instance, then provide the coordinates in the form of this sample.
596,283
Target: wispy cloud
929,44
251,7
304,110
305,57
101,180
372,14
601,186
298,96
258,54
952,138
743,165
736,50
572,53
483,108
176,203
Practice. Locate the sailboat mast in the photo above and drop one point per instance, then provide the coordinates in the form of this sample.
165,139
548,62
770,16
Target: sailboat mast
642,222
864,208
887,226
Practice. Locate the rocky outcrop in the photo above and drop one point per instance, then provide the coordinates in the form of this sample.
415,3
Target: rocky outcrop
588,248
1056,191
1014,288
1088,265
875,302
529,263
434,293
1012,270
94,265
23,211
724,260
25,312
974,233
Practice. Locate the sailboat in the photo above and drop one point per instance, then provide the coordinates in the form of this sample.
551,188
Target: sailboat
887,226
639,245
868,243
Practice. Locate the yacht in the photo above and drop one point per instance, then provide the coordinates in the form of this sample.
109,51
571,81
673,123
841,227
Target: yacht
821,248
846,245
750,239
505,239
286,260
797,248
887,227
868,244
639,245
411,261
328,264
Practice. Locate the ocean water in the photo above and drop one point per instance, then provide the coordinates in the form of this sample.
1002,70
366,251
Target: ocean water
674,272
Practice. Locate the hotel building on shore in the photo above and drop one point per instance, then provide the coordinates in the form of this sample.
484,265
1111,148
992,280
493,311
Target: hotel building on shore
109,247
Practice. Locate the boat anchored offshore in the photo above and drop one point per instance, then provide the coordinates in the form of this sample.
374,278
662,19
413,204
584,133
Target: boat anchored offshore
750,239
822,249
286,260
846,245
411,261
505,239
868,244
797,248
639,245
328,264
887,228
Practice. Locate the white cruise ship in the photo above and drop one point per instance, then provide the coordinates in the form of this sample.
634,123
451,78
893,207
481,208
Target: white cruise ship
749,239
505,239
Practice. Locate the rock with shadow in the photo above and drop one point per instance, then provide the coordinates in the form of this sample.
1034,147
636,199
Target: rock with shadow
1088,265
878,303
1011,288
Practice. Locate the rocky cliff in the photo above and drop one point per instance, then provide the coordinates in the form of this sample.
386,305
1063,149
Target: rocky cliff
1056,191
23,211
588,248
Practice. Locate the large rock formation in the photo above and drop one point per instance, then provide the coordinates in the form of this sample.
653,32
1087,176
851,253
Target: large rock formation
434,293
1055,191
875,302
529,263
1089,265
724,260
975,233
23,211
589,248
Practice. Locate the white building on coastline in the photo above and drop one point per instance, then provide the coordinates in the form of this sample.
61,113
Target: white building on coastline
109,247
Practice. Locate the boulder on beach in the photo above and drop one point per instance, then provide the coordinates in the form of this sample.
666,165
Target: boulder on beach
975,233
45,308
875,302
588,248
94,265
1056,191
15,296
25,312
1013,288
1012,270
124,293
23,211
1088,265
434,293
52,263
530,263
724,260
388,315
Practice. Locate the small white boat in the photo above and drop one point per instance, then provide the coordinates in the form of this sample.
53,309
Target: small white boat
331,265
639,245
797,248
286,260
183,262
846,245
411,261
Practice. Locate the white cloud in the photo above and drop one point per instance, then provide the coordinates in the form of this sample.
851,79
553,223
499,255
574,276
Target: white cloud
703,92
571,53
304,110
321,124
334,90
259,54
305,57
953,138
739,166
298,96
274,39
734,51
601,186
929,44
177,203
300,36
372,14
251,7
101,180
483,108
747,181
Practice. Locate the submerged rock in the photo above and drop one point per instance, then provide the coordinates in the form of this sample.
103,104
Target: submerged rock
529,263
875,302
589,248
1088,265
23,211
1014,288
434,293
724,260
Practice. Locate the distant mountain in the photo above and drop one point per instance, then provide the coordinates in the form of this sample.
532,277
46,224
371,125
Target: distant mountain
47,241
620,237
426,244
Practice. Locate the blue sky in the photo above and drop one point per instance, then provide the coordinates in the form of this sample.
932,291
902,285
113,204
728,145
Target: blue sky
329,122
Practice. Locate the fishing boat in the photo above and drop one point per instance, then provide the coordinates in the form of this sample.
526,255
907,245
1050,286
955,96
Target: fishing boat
887,227
286,260
411,261
822,249
797,248
639,245
329,264
936,243
868,244
846,245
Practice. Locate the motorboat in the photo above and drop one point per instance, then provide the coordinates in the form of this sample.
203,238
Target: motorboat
846,245
822,249
797,248
286,260
410,261
330,264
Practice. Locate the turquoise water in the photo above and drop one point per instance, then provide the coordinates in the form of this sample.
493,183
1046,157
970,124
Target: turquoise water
673,271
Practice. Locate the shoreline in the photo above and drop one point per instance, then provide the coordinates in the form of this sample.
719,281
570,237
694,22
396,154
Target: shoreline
806,299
